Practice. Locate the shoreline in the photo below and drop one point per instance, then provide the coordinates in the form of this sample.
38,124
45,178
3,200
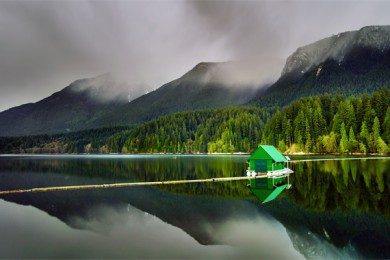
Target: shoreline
193,154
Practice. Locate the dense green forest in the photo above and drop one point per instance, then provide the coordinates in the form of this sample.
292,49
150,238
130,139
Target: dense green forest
319,124
224,130
326,124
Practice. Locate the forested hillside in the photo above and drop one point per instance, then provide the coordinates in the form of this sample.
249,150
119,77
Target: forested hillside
216,130
222,131
326,124
87,141
320,124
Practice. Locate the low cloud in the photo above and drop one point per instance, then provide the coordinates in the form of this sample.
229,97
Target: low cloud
44,45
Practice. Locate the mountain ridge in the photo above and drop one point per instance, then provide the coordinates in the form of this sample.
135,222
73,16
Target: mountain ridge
350,63
202,87
63,111
336,47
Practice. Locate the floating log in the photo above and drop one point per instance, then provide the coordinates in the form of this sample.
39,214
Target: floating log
132,184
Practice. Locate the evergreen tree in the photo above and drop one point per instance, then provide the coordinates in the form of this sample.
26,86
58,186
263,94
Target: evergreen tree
308,142
344,143
380,145
364,134
369,115
352,140
386,127
376,129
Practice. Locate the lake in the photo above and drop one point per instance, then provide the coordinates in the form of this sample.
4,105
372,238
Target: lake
337,208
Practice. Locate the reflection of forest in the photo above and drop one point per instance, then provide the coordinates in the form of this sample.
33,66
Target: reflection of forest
146,168
361,185
341,201
344,202
322,185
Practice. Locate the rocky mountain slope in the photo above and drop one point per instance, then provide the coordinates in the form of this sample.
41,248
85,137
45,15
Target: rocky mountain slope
67,110
349,63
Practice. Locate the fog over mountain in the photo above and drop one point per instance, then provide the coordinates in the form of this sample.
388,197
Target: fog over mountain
46,45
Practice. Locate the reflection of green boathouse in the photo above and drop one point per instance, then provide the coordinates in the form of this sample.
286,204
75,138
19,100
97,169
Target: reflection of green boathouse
270,173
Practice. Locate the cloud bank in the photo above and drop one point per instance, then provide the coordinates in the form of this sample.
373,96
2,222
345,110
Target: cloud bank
45,45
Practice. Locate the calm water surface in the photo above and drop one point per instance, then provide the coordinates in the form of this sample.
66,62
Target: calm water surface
335,209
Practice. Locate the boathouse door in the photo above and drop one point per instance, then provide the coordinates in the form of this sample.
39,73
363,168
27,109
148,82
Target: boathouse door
260,165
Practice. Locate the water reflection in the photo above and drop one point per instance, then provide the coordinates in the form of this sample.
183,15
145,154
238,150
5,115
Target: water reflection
130,233
344,202
360,185
334,209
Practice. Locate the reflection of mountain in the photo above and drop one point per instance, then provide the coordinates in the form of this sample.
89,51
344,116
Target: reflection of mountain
316,208
367,234
190,213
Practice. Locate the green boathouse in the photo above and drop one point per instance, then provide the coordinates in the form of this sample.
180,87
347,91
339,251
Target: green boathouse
266,158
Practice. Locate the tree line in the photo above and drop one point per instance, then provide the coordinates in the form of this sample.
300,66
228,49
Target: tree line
224,130
325,124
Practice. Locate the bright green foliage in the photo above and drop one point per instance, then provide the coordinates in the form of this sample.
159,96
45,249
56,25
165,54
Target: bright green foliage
215,131
376,129
381,146
344,143
364,134
327,125
352,141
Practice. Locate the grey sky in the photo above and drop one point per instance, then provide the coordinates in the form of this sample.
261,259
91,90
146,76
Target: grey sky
45,45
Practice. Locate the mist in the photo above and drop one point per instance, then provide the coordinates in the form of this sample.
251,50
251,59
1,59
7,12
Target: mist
44,45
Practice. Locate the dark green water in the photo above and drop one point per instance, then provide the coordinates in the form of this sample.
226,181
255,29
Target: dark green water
335,209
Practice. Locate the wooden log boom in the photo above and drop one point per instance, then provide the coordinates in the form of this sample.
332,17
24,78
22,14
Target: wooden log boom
132,184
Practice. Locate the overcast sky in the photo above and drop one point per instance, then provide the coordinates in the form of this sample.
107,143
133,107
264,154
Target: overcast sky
45,45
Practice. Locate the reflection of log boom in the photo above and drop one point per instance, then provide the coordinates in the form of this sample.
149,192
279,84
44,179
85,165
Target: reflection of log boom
131,184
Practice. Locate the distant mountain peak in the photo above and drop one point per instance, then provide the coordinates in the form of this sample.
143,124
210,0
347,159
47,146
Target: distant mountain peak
227,74
201,71
337,47
94,82
348,63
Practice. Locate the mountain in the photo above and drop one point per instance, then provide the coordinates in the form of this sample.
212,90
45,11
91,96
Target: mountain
349,63
95,102
67,110
207,85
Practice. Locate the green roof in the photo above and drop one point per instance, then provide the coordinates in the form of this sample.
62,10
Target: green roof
266,195
268,152
275,193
